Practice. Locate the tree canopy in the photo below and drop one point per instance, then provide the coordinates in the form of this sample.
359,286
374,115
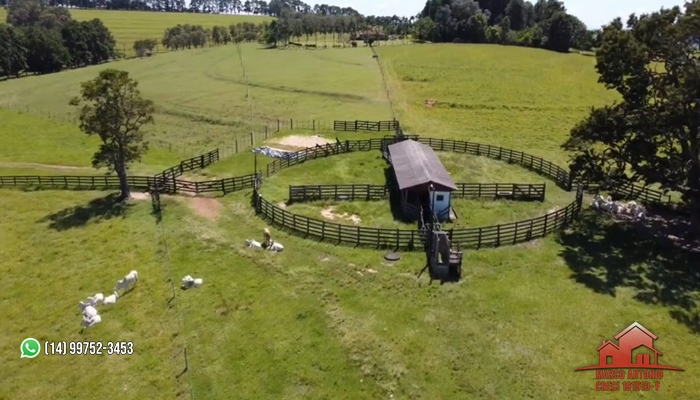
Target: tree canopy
112,108
652,135
42,39
543,24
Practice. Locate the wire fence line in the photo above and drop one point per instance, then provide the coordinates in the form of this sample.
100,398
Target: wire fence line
164,253
385,82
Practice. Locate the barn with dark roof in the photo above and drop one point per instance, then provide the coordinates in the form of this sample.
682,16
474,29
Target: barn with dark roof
422,180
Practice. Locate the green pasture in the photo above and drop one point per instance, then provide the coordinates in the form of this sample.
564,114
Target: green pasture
41,146
322,321
526,99
204,100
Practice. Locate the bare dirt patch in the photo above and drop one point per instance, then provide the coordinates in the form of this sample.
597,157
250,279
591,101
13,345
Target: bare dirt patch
329,213
140,196
206,207
301,142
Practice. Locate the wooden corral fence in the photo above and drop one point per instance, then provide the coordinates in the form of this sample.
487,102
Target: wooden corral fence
630,191
376,126
164,182
198,162
337,192
513,191
76,182
404,239
545,168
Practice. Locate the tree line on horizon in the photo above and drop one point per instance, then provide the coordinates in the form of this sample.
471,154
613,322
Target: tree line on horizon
41,39
272,8
544,24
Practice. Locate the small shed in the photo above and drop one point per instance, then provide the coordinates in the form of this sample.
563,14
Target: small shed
422,179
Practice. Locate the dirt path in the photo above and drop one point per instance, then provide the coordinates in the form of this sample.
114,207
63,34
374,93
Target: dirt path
25,165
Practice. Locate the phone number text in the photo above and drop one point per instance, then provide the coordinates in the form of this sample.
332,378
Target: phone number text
63,348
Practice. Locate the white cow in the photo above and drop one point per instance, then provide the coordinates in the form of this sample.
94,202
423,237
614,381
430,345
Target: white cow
111,299
89,322
187,282
127,282
96,299
83,304
89,312
277,247
253,244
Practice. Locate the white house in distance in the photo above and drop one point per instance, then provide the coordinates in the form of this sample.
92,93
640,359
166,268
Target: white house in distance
422,179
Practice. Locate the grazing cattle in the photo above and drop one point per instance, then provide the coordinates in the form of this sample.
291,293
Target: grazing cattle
277,247
89,322
96,299
89,312
637,211
127,282
253,244
111,299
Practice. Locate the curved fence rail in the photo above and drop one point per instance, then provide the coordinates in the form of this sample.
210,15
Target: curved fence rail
164,182
405,239
545,168
377,126
514,191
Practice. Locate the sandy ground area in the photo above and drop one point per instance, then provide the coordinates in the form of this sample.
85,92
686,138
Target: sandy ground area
329,213
301,142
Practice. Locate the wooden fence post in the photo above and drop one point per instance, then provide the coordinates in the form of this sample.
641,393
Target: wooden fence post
313,125
278,124
251,139
291,124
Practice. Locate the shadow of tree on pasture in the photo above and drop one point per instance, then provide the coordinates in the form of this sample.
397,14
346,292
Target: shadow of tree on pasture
102,208
605,254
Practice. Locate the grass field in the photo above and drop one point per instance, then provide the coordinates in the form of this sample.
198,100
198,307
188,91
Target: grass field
322,321
201,95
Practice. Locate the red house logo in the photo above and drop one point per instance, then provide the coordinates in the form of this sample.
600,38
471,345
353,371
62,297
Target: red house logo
635,350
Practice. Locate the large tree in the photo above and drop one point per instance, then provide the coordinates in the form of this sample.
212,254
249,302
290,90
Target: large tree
652,135
114,110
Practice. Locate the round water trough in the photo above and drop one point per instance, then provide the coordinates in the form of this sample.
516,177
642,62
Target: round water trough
392,256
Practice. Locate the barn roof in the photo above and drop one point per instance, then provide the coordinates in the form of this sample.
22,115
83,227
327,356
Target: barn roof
417,164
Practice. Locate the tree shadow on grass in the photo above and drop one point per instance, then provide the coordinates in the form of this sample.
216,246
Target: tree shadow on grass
605,254
102,208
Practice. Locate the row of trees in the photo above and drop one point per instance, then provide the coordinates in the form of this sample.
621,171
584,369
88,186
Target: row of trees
543,24
42,39
293,24
256,7
188,36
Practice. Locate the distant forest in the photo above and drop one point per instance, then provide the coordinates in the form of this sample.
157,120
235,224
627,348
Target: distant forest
273,8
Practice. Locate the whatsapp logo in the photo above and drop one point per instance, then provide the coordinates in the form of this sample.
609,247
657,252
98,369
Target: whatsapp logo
30,348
